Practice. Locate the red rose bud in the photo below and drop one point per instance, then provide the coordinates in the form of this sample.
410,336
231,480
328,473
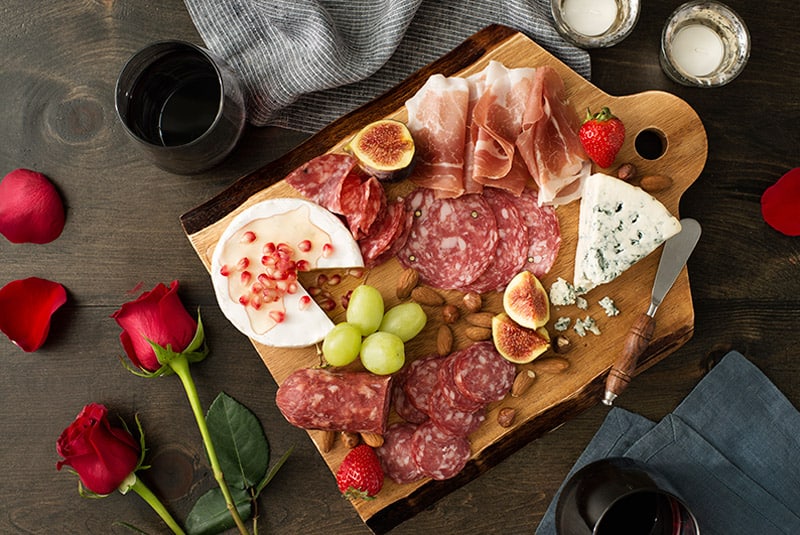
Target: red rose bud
26,307
157,316
780,204
31,210
102,455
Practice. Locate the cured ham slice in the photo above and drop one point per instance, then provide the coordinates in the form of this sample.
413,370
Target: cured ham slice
437,118
549,142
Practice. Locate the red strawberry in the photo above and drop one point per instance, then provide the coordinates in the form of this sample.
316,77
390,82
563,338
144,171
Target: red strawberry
360,475
602,135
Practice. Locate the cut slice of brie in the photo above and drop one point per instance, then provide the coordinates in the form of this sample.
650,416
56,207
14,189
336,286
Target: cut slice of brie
289,221
619,225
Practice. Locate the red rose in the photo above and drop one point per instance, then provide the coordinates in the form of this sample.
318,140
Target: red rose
157,316
103,456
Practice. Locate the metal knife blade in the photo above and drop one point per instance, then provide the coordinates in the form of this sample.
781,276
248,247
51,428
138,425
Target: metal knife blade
674,254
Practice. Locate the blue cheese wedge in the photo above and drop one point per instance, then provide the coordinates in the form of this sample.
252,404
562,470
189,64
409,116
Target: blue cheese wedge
261,296
619,225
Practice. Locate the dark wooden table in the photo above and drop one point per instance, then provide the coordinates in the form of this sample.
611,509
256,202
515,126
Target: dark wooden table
59,65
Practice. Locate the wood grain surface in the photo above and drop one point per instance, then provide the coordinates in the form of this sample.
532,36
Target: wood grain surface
59,65
555,395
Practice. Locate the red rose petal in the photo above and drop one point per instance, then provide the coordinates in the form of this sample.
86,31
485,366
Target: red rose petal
25,309
780,204
31,210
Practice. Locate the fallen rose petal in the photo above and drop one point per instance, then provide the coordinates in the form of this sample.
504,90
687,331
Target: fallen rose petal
780,204
31,210
26,307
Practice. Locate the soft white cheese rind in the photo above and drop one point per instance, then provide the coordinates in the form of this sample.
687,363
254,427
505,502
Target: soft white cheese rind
300,328
619,225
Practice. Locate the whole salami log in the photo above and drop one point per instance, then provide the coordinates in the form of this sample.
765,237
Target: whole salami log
313,398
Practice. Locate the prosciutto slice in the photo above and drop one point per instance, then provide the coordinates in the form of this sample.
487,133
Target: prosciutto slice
549,142
437,118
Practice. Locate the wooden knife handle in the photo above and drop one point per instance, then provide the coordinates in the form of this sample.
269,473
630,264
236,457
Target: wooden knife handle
636,342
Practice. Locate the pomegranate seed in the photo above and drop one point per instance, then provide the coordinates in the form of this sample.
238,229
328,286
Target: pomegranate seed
304,302
346,299
282,285
271,295
277,315
248,237
243,263
225,271
325,294
356,272
314,291
303,265
321,279
279,275
256,301
263,279
285,250
334,279
291,288
268,248
327,304
291,277
245,277
257,288
304,246
327,250
244,299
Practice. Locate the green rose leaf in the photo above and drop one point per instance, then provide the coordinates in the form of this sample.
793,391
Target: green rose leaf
210,515
239,439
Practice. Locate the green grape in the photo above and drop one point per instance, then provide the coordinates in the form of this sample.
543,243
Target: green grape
342,344
383,353
405,320
365,309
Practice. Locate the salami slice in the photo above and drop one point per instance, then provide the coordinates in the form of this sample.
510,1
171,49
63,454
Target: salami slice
452,395
399,241
451,420
362,205
313,398
544,233
452,241
423,376
310,177
402,406
389,226
438,454
396,455
512,244
482,374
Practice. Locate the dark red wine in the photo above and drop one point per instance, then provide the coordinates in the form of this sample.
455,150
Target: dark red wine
641,513
189,111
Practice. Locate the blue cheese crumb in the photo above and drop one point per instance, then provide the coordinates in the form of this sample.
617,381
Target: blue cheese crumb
608,305
581,303
587,324
562,324
562,293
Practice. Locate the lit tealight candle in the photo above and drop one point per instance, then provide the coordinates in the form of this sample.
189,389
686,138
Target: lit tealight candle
590,17
697,49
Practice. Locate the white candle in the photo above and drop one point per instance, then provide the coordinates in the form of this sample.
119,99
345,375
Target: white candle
590,17
697,49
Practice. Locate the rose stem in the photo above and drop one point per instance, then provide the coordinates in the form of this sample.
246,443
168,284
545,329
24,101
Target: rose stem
152,500
180,366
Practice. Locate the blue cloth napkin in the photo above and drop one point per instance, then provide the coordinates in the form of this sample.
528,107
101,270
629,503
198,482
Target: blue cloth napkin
300,59
730,450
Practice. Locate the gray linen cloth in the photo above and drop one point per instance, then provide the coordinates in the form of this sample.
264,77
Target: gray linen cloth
730,449
305,63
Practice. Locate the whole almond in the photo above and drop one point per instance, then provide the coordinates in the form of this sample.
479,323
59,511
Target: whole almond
350,440
408,280
655,183
444,340
478,333
551,364
480,319
472,301
328,438
450,314
426,296
522,382
561,344
373,440
506,416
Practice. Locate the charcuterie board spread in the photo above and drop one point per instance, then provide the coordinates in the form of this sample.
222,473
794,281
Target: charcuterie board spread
432,250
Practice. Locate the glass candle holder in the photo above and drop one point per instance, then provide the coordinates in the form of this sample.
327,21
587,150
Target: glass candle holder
704,44
595,23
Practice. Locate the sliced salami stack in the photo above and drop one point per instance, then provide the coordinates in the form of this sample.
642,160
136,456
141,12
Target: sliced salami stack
443,400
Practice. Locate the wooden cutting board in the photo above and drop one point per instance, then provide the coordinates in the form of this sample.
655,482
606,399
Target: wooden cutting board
554,396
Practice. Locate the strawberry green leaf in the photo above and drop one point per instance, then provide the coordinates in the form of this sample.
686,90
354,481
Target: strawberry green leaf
239,440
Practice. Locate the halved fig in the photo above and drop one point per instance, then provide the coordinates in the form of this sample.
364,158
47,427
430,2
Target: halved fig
517,343
525,301
385,149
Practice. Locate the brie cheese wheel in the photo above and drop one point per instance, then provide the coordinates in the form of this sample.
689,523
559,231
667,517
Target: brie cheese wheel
619,225
315,237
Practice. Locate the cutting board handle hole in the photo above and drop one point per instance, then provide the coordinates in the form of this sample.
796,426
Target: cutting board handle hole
651,144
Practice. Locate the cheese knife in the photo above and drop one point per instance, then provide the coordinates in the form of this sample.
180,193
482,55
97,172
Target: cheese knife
674,255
